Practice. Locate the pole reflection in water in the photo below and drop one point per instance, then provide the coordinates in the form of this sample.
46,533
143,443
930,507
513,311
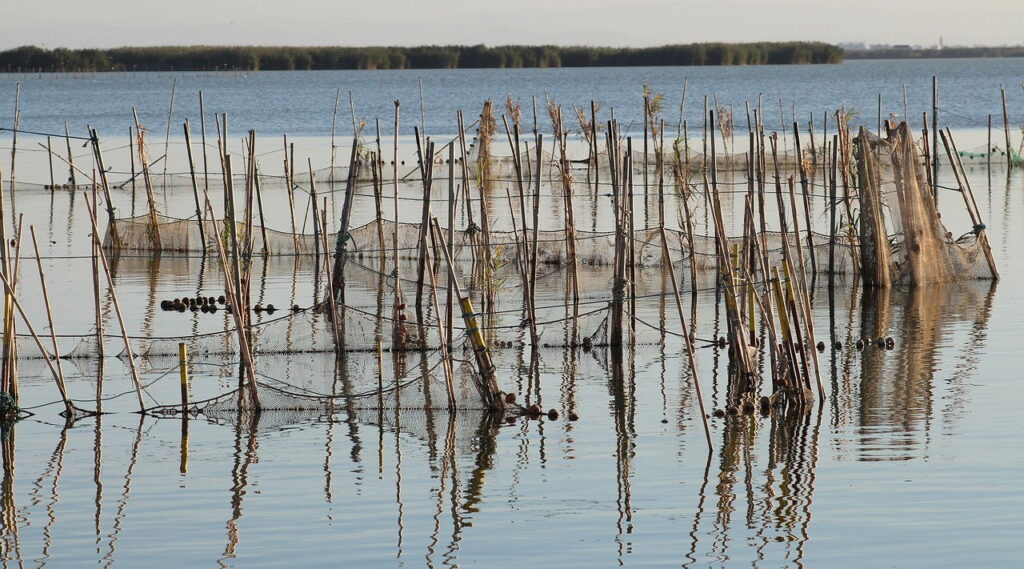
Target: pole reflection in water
246,446
53,468
122,503
9,525
623,392
895,407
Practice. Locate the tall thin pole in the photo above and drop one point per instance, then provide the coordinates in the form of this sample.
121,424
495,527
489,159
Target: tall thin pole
195,185
202,131
1006,130
334,125
935,129
117,307
167,136
14,133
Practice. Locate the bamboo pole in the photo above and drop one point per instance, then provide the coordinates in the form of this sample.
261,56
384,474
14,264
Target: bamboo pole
804,300
195,185
57,376
687,342
630,237
9,382
805,185
229,198
334,147
1006,131
488,385
340,249
442,337
202,132
183,376
289,178
117,307
485,231
150,198
427,162
71,158
167,136
935,139
94,138
376,170
449,300
15,271
14,133
394,189
98,308
131,154
68,406
332,302
832,215
594,150
570,216
259,208
988,149
968,194
236,308
49,156
534,337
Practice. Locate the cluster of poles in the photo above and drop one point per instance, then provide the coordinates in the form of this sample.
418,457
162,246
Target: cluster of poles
752,289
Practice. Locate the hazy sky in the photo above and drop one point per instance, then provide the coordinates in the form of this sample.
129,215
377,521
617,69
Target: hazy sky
110,23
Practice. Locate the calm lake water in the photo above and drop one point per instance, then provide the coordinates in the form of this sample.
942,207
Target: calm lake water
914,460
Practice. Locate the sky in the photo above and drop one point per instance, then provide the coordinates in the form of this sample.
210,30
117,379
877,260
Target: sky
637,23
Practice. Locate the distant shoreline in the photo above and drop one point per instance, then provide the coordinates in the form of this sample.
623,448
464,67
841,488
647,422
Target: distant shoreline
934,53
32,59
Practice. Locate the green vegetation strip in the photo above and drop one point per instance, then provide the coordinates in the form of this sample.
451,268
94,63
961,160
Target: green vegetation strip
254,58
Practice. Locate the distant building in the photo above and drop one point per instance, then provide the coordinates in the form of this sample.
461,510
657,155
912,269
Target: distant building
853,46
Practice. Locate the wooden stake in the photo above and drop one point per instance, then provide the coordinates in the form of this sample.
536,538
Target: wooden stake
71,158
14,133
150,198
98,316
236,308
334,147
9,382
68,407
49,156
202,131
167,136
195,185
687,342
968,195
1006,131
94,138
183,376
117,307
487,385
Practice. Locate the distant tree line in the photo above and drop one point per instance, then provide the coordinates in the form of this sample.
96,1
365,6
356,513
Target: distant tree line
934,53
254,58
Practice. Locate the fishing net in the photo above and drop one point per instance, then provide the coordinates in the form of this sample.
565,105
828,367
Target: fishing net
903,239
552,246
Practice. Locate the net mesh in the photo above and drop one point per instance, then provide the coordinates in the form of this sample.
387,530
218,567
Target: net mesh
364,242
918,249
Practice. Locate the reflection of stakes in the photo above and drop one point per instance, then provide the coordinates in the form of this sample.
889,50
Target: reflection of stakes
489,387
117,307
686,338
